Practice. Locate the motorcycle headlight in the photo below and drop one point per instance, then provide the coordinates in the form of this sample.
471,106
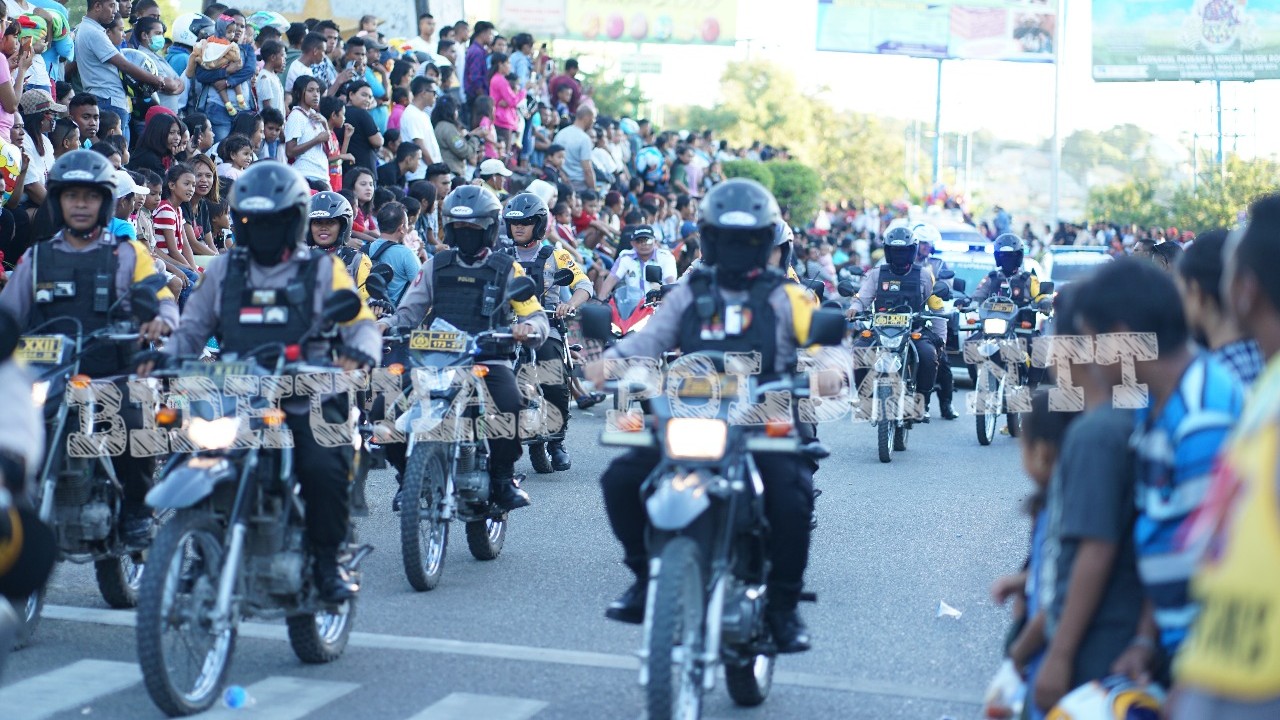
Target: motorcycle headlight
640,325
217,434
892,342
696,438
39,393
995,326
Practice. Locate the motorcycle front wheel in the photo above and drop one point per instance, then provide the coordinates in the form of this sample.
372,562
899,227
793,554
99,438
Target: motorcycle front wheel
677,635
989,409
884,440
183,657
424,534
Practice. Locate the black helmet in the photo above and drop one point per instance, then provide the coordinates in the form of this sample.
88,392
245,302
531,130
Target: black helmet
1009,253
472,205
527,209
737,221
269,207
83,168
900,248
329,205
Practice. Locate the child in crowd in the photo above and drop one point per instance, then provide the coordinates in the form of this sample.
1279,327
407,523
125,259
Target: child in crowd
220,222
235,154
272,130
36,29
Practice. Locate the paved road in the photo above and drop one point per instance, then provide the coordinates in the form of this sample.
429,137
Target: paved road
524,636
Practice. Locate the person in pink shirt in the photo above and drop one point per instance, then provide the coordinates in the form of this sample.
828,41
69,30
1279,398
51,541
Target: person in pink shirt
507,102
399,99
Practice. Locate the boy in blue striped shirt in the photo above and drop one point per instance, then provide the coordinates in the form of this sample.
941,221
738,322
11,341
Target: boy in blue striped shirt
1193,403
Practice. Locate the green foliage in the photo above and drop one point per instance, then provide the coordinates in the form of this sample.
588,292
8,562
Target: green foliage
766,102
758,171
1124,147
696,117
1214,203
1128,203
796,186
614,95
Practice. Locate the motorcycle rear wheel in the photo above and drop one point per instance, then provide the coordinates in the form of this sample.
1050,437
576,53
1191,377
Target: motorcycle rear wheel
485,538
749,684
884,440
540,459
900,433
119,579
677,635
29,613
1014,421
175,607
424,535
321,637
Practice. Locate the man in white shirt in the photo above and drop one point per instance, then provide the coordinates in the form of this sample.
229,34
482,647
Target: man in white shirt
426,40
312,54
629,269
415,125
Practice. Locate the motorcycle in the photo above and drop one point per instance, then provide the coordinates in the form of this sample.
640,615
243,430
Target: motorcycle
448,456
79,495
1001,324
707,535
632,307
236,546
535,414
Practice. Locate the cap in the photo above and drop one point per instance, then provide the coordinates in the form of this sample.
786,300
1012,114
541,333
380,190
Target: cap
36,100
157,110
126,186
688,228
373,42
493,166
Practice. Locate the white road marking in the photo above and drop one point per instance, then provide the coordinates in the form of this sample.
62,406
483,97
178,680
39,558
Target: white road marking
524,653
284,698
68,687
465,706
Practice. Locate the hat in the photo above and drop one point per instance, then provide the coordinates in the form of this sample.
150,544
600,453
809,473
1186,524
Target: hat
375,43
158,110
125,185
688,228
493,166
36,101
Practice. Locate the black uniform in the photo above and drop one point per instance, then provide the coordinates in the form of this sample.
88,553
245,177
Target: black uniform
912,290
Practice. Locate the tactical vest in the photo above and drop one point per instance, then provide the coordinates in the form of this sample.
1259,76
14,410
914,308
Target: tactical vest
80,286
470,298
900,290
708,322
537,268
253,317
1017,287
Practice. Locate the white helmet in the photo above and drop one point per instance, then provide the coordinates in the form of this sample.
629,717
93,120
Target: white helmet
267,18
925,233
190,29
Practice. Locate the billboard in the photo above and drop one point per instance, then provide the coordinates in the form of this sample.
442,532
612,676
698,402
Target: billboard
710,22
540,17
1186,40
1017,30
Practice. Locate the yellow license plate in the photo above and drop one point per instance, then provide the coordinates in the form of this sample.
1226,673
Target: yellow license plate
40,349
705,387
895,320
437,341
1003,307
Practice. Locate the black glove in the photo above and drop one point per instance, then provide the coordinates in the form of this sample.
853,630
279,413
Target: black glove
160,359
364,359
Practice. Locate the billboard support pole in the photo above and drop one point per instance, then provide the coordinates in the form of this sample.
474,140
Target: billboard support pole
1222,165
1060,31
937,129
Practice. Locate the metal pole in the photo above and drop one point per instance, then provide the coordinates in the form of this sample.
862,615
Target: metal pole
1222,166
1195,163
968,165
1060,31
937,129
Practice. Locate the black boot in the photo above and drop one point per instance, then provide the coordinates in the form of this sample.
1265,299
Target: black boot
590,399
629,607
507,495
395,501
135,525
559,456
946,410
332,583
790,634
946,391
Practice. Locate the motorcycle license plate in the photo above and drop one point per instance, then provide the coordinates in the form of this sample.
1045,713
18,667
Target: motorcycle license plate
40,349
1003,307
218,371
893,320
705,387
437,341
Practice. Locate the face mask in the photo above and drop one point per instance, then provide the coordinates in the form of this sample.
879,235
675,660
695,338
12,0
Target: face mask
469,241
157,43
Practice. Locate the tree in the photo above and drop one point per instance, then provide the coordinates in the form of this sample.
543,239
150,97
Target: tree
614,96
1134,202
757,171
796,186
1217,203
768,106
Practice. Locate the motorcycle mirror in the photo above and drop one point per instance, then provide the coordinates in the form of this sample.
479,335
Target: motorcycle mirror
818,287
941,290
341,306
521,289
596,321
653,273
847,288
376,286
142,298
947,274
384,271
1046,288
668,288
827,327
564,277
958,284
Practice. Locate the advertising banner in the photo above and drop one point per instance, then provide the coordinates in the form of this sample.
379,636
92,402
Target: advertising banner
711,22
540,17
1186,40
1014,30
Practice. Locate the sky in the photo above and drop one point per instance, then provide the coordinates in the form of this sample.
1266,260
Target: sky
1010,99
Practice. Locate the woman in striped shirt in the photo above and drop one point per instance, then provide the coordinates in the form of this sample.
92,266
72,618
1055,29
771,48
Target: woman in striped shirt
179,187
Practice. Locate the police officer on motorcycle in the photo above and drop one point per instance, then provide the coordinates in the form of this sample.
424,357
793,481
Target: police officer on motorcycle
526,224
330,230
80,273
464,286
928,237
1010,280
270,289
901,282
736,302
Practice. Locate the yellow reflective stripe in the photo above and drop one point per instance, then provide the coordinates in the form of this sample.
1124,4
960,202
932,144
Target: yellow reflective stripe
1035,288
527,307
791,274
144,267
10,550
802,306
340,280
362,274
565,260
